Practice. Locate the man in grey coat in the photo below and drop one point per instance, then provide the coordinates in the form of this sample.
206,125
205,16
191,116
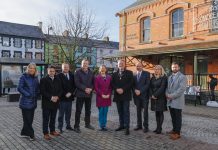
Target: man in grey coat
175,96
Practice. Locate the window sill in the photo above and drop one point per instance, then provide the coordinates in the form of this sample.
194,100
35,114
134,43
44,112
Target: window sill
212,33
142,43
177,38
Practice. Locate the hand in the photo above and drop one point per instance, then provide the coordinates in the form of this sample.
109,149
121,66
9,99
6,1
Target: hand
105,96
169,98
119,91
137,92
54,99
153,97
88,90
68,95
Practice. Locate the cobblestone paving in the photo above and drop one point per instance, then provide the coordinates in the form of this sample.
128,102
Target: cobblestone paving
199,132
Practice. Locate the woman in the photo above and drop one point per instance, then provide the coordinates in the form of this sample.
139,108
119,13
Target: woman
158,87
29,90
103,95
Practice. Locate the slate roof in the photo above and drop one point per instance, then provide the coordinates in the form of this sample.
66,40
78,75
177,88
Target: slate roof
139,2
84,42
21,30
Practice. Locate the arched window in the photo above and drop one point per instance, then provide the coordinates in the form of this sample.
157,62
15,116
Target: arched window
146,27
177,22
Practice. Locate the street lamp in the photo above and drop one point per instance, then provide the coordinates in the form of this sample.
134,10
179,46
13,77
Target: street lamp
49,28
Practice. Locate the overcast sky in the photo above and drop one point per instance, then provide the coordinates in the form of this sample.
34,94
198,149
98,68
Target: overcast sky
32,11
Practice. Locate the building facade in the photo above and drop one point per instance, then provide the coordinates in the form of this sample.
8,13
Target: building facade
59,50
19,45
162,31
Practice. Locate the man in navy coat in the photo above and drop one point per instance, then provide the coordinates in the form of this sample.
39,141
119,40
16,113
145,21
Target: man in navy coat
141,96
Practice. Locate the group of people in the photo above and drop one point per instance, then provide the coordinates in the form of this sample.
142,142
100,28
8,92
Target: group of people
59,90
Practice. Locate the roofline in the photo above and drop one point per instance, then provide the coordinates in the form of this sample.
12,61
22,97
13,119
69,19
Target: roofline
132,8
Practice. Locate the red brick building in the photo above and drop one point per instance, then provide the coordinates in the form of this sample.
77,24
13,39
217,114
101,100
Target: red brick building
162,31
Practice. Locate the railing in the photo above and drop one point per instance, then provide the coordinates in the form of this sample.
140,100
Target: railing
202,80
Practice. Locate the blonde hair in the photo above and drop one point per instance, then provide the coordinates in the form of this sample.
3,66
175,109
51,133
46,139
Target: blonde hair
163,73
31,65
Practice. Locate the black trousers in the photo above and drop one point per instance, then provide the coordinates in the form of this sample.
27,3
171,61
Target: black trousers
159,120
48,119
212,93
79,105
65,109
28,115
176,115
124,114
142,104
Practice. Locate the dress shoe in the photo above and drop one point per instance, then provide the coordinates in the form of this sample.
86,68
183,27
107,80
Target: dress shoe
69,128
47,137
77,130
61,131
127,131
55,133
155,131
32,138
119,128
90,127
103,129
170,132
145,130
158,132
137,128
175,136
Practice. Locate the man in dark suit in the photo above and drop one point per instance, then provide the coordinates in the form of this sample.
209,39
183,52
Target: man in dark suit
65,106
141,96
122,84
50,87
84,81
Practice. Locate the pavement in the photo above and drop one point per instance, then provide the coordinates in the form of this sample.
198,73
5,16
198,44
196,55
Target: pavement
199,131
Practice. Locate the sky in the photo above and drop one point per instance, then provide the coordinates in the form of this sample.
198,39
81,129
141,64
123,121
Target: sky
32,11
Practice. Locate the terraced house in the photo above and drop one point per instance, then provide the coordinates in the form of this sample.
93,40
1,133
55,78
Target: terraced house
61,49
19,45
162,31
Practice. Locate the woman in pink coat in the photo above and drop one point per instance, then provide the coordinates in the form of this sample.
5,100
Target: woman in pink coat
103,95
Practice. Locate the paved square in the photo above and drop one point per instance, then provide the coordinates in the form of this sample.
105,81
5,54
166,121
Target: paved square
199,131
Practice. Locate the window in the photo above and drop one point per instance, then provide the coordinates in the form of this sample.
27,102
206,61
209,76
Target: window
38,44
28,43
6,41
17,54
38,56
80,49
177,22
90,60
89,50
17,42
146,27
6,54
101,52
28,55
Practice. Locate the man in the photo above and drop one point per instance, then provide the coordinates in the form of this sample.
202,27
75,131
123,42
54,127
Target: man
122,81
141,96
50,87
65,105
213,84
84,81
175,96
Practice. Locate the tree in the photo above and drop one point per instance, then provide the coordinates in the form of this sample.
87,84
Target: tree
73,27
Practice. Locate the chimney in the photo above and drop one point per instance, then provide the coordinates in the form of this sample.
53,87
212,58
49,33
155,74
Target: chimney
66,33
106,39
40,25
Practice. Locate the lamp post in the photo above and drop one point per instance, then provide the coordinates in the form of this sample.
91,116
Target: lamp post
49,28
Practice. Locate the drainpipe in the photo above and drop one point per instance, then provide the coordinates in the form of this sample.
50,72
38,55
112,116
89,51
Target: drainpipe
195,68
124,31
